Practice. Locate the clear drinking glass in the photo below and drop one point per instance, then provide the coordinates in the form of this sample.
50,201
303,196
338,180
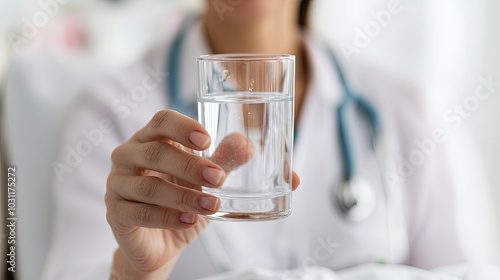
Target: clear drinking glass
246,103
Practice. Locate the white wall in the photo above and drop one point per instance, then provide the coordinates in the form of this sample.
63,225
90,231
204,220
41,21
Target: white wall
489,135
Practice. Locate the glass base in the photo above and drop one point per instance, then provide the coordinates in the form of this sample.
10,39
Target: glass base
253,209
250,216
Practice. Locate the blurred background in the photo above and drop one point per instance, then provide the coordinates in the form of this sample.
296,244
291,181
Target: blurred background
441,46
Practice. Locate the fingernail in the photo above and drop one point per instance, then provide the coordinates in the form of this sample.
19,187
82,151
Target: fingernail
199,139
187,218
209,203
213,176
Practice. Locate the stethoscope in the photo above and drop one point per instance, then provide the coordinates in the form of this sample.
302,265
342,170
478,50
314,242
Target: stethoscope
354,196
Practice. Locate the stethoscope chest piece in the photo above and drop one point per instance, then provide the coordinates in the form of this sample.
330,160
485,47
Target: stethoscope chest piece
355,198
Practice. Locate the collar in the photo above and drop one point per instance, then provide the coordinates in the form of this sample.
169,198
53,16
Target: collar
187,44
324,82
194,45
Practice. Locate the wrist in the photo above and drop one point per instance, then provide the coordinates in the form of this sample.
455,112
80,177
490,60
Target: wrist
123,269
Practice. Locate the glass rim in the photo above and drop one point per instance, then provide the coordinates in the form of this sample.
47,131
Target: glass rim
246,57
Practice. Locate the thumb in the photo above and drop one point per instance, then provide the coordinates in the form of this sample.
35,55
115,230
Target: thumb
234,151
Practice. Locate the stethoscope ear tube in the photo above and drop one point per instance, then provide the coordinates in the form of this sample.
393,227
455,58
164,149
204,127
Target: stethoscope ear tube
345,144
371,115
174,71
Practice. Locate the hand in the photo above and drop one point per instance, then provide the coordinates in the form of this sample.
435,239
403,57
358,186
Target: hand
154,196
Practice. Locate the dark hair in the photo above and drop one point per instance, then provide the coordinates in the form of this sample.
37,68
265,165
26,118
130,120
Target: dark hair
303,12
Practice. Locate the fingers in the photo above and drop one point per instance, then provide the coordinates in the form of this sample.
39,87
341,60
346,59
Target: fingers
295,181
133,214
165,158
235,150
168,178
153,203
155,191
169,124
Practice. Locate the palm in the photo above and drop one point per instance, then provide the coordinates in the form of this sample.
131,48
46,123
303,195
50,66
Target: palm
155,247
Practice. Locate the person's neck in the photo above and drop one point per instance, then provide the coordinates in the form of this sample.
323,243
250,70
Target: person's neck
273,35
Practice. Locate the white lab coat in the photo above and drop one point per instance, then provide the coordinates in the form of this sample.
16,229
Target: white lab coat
422,228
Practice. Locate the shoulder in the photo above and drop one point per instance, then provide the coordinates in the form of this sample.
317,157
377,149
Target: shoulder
130,94
365,77
403,103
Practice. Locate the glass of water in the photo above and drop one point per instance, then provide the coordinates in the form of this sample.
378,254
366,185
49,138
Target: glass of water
246,103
